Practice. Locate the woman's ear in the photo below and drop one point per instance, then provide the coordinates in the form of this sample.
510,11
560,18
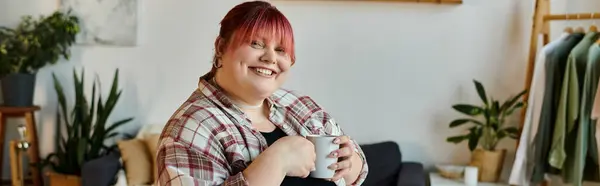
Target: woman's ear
220,46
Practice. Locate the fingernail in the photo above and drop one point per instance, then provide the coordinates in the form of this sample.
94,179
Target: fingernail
336,140
334,154
333,167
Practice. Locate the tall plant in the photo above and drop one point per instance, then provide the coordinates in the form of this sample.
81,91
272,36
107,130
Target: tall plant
86,126
35,43
487,119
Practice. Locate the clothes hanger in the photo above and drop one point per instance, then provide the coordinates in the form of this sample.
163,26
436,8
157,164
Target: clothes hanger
593,27
579,29
568,29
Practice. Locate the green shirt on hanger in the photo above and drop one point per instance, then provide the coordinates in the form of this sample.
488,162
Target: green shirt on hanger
584,164
568,106
555,67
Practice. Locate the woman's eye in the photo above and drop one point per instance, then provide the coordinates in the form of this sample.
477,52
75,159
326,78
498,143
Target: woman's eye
256,44
281,50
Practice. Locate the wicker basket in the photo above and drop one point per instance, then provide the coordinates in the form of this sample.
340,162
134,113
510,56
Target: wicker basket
451,171
57,179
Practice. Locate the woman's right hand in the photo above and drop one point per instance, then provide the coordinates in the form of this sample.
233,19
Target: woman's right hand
296,155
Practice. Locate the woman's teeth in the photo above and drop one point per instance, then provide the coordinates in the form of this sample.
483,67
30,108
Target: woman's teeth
264,71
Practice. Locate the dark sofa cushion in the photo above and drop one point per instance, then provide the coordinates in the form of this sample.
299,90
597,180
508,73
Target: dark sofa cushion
101,171
412,174
385,162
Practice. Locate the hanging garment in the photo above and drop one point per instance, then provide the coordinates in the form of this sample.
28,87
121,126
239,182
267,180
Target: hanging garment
586,166
522,166
555,68
596,107
568,106
594,116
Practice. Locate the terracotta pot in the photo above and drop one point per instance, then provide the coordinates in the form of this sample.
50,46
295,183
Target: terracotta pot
58,179
489,164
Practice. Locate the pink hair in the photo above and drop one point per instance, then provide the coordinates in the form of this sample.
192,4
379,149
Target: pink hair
256,18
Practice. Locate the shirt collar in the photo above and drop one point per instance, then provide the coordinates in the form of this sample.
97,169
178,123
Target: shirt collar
215,93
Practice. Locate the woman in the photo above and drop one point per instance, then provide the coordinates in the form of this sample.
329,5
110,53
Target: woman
239,127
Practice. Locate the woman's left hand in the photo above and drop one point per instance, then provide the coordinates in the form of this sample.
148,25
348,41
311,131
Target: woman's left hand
345,153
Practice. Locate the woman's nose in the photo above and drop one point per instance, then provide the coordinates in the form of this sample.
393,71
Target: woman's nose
268,57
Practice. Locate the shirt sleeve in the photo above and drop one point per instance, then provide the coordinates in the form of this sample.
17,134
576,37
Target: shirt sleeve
333,128
180,164
596,105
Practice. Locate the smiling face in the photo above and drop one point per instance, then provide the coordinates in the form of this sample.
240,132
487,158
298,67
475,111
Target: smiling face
255,50
256,68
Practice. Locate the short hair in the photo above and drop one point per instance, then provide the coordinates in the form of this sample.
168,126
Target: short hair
248,19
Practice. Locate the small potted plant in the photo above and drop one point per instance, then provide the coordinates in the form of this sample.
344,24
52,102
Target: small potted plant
32,45
87,128
488,127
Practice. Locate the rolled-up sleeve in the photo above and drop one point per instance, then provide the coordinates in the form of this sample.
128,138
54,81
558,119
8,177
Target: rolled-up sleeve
333,128
180,164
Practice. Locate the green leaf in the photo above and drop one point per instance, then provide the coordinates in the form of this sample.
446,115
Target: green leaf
474,137
468,109
61,101
513,132
495,107
457,139
511,101
517,106
481,91
81,150
494,113
117,124
460,122
501,134
87,131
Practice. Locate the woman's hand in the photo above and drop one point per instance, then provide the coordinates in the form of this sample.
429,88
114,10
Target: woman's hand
298,149
350,165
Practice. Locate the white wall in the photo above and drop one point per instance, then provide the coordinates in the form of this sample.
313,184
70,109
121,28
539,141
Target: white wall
386,71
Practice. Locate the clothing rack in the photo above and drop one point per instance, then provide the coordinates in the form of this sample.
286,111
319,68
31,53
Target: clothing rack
541,25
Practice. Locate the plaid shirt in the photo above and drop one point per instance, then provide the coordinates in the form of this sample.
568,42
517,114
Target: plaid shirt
209,141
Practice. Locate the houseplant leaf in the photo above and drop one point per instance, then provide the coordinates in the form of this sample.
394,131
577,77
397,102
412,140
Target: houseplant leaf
512,132
511,101
475,134
481,91
87,131
460,122
457,139
468,109
516,106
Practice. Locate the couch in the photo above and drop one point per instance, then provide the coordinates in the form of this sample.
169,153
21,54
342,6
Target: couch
386,167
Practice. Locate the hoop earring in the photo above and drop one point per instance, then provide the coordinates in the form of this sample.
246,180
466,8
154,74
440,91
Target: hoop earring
216,63
217,66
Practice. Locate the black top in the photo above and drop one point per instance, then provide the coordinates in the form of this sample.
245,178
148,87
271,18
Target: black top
273,136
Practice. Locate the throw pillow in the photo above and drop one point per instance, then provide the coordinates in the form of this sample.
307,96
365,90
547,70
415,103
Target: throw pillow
136,161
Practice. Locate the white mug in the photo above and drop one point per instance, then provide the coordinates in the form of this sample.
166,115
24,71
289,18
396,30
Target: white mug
324,146
471,175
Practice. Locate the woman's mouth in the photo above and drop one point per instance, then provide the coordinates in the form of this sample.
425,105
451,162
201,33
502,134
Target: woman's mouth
263,71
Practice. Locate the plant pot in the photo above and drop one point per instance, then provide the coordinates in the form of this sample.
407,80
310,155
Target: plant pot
58,179
489,164
18,89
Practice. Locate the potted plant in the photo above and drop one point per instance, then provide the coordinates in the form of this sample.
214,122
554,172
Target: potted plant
85,130
488,127
32,45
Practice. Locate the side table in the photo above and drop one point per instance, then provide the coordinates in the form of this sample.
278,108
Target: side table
437,180
34,151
